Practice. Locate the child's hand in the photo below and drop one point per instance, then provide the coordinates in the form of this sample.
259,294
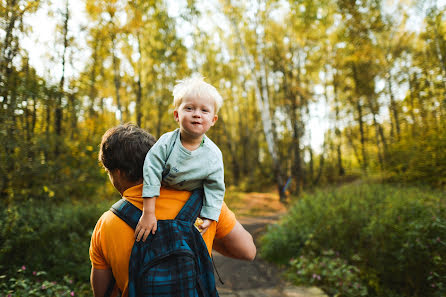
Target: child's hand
202,224
147,223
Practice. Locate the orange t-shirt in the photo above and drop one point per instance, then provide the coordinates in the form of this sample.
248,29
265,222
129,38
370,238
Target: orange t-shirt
112,239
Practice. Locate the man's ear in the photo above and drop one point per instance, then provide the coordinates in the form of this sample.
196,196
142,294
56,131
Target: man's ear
175,115
214,120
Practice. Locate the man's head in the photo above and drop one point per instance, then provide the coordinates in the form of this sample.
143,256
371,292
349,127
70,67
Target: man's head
123,150
196,105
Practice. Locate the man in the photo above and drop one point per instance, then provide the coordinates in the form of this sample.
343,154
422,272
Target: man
122,152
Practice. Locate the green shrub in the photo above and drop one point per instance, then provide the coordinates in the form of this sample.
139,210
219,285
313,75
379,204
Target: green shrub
34,171
50,237
420,159
329,272
35,283
398,233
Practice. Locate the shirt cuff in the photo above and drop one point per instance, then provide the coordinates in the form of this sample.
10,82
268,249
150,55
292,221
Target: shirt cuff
209,212
150,191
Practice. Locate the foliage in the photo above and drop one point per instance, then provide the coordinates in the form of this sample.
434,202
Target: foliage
53,237
328,272
272,74
419,160
395,233
35,283
381,80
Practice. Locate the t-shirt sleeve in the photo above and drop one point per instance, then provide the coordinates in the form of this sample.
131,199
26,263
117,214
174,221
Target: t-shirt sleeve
97,257
226,222
154,166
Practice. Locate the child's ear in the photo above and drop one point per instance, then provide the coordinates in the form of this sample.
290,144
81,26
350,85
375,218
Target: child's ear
214,120
175,115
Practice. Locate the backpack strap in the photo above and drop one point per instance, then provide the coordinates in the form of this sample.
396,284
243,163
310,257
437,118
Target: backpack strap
127,212
130,214
192,207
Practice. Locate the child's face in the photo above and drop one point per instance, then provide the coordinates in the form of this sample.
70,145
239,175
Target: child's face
195,116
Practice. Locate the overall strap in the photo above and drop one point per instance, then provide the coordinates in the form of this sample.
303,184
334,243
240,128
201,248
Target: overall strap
192,207
127,212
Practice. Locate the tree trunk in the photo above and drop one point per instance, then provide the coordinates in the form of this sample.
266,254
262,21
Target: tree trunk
311,166
262,99
362,134
440,47
412,105
349,136
393,107
379,132
138,107
421,103
247,166
92,93
34,115
296,167
321,166
378,146
116,79
358,106
59,112
230,144
338,135
9,50
73,115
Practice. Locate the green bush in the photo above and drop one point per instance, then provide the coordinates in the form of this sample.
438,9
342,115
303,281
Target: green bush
420,159
35,283
398,233
50,237
329,272
34,171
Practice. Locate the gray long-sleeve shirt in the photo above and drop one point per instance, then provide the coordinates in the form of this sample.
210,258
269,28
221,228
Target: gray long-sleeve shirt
169,163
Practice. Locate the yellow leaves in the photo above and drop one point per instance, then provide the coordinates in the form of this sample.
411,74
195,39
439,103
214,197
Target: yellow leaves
49,191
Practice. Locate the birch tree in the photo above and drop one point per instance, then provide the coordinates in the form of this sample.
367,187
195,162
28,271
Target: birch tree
260,83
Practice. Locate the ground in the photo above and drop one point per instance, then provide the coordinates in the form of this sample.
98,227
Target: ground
258,278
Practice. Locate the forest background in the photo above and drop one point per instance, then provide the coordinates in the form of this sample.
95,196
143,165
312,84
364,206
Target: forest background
315,93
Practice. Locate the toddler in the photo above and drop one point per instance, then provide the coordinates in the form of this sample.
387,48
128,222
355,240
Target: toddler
186,159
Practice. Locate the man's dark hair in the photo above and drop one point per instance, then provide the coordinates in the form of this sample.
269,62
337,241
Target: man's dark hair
124,147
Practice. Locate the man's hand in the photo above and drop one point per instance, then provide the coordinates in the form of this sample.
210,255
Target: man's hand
147,223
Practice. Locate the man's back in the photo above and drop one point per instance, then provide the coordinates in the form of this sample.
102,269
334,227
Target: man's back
113,239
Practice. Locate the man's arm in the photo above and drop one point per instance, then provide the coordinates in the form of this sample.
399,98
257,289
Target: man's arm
100,280
238,244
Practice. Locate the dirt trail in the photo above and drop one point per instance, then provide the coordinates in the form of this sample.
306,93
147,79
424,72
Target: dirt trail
258,278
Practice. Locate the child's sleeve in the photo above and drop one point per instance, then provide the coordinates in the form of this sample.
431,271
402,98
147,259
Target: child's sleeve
153,167
214,191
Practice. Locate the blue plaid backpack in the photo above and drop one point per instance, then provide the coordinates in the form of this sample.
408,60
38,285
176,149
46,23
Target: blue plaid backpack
174,261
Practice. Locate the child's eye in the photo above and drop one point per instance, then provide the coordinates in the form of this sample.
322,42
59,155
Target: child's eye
188,108
204,110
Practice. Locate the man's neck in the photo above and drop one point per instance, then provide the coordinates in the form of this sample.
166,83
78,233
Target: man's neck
125,185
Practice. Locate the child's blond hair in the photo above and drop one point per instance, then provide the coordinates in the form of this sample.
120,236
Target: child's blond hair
195,86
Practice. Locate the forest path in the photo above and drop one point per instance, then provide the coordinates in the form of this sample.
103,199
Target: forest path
259,278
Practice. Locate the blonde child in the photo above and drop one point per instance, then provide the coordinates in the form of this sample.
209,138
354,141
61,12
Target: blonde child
186,159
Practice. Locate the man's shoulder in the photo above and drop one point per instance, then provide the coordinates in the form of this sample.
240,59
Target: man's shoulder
106,218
